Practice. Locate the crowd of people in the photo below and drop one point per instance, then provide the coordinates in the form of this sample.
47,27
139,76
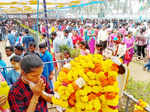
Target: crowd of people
123,39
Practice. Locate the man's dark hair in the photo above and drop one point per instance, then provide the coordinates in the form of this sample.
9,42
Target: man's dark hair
54,33
10,48
29,62
85,44
20,34
99,45
44,34
42,45
16,58
9,31
66,31
26,31
32,44
19,47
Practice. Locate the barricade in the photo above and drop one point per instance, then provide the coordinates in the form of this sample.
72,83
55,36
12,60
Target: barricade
128,97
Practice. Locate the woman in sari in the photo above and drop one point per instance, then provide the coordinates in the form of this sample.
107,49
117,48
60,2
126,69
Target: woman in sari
91,42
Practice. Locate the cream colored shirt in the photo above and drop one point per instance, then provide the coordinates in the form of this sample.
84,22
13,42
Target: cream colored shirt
102,35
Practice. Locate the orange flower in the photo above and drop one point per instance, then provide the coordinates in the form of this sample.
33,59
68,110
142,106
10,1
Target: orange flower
97,68
66,82
65,70
111,80
114,67
75,86
91,96
99,94
104,81
86,70
106,74
98,65
100,110
72,100
139,111
110,95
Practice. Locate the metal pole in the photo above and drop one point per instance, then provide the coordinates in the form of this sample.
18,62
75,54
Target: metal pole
82,13
46,21
37,22
127,104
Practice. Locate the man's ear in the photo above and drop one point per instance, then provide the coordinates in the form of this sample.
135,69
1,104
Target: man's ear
22,73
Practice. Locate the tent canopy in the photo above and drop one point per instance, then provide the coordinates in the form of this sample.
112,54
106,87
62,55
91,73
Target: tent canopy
30,6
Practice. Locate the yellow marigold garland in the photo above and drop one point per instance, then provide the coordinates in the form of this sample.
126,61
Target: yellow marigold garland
89,85
139,107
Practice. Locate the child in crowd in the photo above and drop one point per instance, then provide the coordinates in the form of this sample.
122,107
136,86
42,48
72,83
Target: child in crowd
14,74
84,48
48,67
67,56
32,49
19,50
99,49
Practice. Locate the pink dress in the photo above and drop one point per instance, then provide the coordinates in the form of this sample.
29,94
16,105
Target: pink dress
92,42
129,43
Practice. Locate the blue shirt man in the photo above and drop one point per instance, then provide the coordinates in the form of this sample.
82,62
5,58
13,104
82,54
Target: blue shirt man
11,38
27,39
47,58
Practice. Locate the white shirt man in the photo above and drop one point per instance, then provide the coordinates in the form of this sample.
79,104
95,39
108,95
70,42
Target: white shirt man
102,35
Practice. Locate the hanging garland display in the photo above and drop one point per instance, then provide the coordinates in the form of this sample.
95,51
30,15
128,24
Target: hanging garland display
88,84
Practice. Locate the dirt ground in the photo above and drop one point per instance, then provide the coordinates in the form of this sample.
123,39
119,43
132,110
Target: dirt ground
137,72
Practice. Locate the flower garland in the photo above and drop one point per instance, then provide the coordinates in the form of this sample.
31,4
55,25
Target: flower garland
89,84
139,107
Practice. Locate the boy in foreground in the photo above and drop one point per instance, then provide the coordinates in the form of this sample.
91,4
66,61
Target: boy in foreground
31,92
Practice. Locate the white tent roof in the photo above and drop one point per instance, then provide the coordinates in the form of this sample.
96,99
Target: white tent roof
30,6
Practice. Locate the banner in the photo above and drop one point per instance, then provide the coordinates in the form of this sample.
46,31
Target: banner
73,6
